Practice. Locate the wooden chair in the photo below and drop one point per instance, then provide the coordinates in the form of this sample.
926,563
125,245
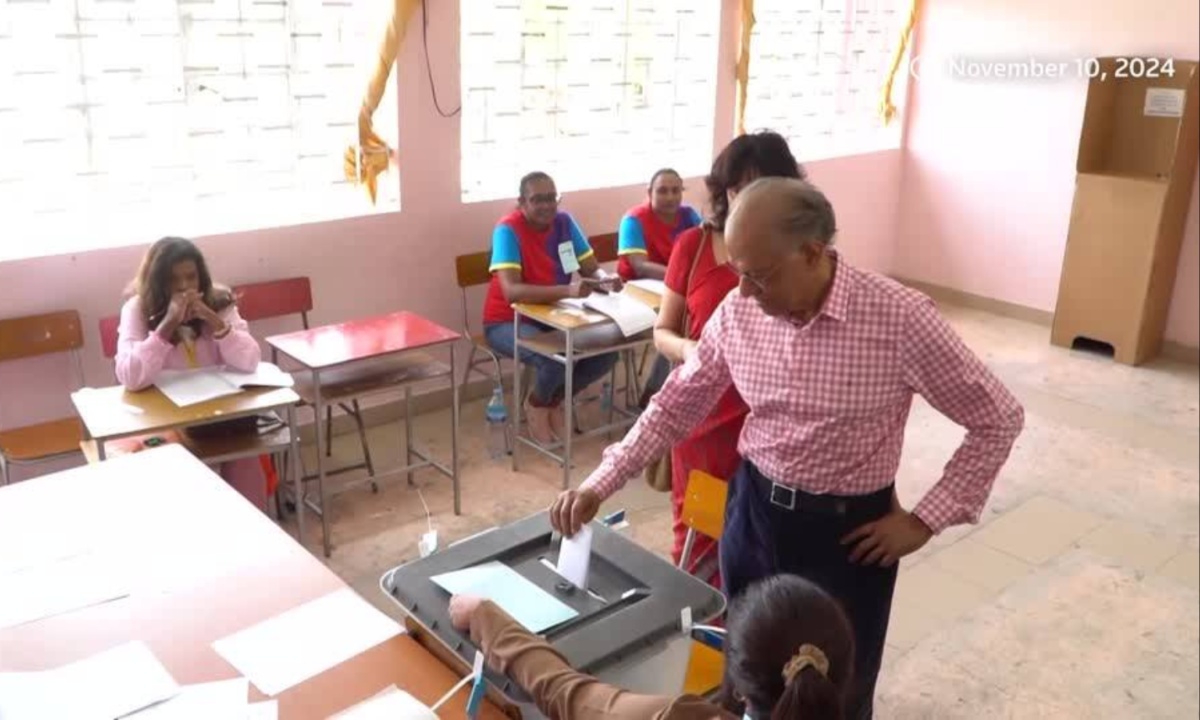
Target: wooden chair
472,270
293,296
703,513
35,336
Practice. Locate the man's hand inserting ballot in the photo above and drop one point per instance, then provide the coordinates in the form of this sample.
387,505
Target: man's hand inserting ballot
573,509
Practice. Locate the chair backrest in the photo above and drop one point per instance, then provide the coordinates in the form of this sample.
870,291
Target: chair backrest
605,247
275,298
108,335
35,335
704,504
472,269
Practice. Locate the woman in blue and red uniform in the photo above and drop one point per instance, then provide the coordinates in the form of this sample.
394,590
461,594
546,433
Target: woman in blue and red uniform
647,232
536,250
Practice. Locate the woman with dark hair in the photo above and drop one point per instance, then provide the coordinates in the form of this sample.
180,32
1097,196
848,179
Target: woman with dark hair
648,232
789,655
178,319
698,279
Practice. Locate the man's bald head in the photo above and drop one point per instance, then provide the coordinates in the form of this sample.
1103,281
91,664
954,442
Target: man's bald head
780,210
777,235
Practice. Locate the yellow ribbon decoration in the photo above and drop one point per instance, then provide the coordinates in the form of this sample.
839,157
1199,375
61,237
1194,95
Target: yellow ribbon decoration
365,162
742,71
887,111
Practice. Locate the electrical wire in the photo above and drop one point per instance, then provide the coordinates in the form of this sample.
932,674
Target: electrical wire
429,66
428,515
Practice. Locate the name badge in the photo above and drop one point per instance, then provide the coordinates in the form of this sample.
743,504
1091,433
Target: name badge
566,255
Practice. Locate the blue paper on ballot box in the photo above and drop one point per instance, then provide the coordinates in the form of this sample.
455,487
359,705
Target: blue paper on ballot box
528,604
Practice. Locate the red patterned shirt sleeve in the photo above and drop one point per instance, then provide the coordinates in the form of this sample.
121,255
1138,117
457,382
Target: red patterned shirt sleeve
939,366
685,399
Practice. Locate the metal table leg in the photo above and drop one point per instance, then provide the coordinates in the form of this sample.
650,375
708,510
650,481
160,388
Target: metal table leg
569,399
296,471
454,418
319,407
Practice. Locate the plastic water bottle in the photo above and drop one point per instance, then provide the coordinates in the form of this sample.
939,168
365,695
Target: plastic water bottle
606,397
497,423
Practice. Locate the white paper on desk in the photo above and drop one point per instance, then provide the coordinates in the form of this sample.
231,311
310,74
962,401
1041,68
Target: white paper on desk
651,285
303,642
107,685
632,316
221,700
59,587
190,387
268,710
391,704
575,557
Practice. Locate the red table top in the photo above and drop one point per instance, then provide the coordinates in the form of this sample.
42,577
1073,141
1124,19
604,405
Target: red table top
330,345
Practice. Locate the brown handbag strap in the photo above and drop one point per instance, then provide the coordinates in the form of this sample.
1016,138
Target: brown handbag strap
705,239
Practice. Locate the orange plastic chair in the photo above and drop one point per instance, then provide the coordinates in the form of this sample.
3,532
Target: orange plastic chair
703,513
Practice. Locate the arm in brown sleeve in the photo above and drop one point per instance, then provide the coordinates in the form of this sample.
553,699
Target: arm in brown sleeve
559,690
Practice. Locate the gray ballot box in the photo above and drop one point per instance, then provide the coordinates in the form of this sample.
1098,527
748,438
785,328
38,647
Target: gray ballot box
628,630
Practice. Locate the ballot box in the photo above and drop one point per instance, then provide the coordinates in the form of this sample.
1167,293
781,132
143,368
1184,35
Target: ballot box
625,626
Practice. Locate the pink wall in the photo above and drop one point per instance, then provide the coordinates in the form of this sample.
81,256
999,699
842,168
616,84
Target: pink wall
989,167
401,260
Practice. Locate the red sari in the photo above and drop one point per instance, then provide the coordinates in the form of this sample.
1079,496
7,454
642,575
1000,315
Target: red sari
712,445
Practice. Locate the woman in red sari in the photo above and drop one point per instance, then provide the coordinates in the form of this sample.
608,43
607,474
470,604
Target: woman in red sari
699,278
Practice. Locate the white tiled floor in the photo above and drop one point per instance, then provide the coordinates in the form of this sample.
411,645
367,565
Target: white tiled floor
1076,596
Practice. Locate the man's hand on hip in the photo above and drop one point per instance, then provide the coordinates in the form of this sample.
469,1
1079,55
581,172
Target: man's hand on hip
884,541
573,509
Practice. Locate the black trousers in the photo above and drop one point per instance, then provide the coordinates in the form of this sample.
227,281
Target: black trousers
764,537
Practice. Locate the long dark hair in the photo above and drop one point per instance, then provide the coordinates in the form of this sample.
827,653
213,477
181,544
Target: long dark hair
761,154
154,277
789,653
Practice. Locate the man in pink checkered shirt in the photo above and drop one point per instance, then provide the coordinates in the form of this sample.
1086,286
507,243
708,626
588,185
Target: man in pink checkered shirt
828,358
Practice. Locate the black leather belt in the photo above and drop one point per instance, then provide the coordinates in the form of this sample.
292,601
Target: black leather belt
795,500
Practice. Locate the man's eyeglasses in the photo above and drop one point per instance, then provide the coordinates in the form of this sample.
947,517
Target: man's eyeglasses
760,281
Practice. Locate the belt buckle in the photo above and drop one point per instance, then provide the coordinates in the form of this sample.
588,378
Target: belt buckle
778,491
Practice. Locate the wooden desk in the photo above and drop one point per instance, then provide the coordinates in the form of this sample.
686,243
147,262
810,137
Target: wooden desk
387,354
563,347
112,413
267,573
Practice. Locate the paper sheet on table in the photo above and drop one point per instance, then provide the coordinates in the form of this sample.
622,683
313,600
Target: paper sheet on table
61,586
268,710
658,287
528,604
221,700
575,557
107,685
301,643
190,387
632,316
391,704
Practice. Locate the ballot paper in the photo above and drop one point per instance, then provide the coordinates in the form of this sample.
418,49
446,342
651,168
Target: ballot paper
391,704
190,387
574,557
110,684
303,642
61,586
220,700
528,604
631,315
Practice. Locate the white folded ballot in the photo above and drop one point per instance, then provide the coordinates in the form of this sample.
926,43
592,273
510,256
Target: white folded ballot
191,387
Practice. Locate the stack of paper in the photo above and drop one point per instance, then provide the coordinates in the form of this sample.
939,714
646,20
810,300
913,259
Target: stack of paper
190,387
301,643
527,603
631,315
658,287
108,685
61,586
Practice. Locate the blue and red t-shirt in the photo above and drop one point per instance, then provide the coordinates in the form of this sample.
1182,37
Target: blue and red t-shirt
536,253
642,233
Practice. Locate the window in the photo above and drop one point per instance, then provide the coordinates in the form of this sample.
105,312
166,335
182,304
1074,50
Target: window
598,93
817,68
125,120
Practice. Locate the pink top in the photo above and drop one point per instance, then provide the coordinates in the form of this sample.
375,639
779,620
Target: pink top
346,342
142,354
829,400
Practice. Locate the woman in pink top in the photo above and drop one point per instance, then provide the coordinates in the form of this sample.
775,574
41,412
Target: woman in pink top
178,319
